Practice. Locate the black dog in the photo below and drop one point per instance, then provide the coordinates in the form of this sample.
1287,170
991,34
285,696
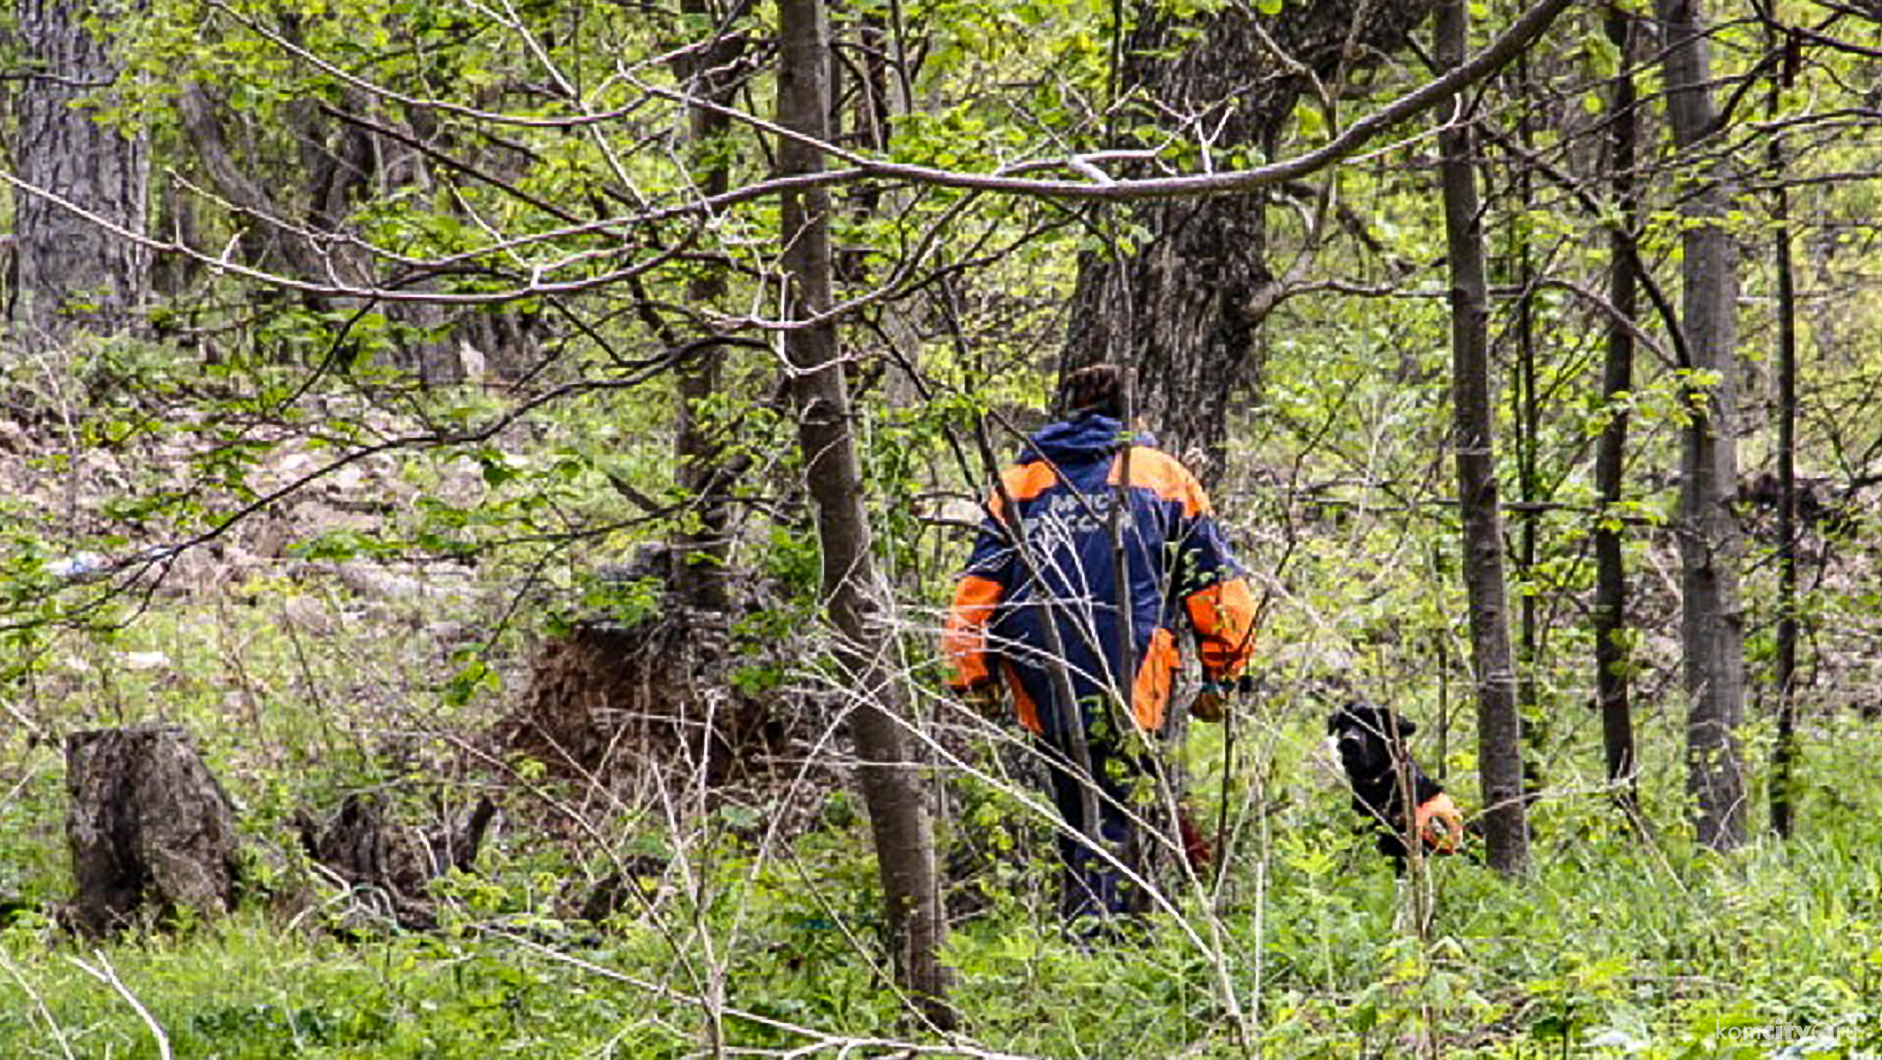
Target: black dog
1371,741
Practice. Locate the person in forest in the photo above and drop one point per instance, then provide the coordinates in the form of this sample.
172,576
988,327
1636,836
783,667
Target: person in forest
1095,549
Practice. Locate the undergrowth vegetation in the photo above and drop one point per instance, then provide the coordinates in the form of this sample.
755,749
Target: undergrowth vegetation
737,928
373,634
1617,948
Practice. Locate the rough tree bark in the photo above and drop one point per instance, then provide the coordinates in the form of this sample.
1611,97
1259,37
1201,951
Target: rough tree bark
1711,545
1499,725
853,593
1184,304
73,276
1610,607
147,824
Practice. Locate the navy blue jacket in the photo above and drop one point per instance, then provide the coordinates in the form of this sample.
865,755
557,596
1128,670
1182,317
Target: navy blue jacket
1058,501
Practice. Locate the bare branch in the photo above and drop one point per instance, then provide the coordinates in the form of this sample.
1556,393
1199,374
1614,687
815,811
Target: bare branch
1492,58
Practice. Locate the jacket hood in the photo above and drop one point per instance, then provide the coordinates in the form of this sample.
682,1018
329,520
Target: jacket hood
1083,438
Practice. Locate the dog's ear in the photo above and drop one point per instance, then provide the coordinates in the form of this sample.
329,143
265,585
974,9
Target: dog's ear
1405,726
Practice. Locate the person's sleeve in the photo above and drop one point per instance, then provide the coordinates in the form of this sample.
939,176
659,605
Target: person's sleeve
1439,824
977,597
1215,591
1435,818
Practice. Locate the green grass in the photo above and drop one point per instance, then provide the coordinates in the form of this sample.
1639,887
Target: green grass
1613,948
247,990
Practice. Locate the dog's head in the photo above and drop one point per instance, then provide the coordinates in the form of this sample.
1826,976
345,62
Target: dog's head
1365,736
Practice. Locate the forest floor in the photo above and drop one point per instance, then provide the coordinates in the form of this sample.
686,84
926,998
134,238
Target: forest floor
679,867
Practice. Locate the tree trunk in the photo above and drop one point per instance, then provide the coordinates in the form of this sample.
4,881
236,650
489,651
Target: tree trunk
1183,304
1784,754
898,813
1499,726
1526,427
1611,652
72,275
703,548
290,229
1712,620
147,823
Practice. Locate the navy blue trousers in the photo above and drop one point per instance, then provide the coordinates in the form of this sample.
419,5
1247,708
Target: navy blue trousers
1092,884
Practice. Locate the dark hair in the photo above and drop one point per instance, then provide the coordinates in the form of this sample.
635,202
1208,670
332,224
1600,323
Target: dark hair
1096,388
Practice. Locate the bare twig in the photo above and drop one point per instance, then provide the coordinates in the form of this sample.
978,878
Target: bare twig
108,975
58,1032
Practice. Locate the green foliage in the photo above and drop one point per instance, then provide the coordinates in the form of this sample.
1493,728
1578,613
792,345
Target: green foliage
245,990
1617,947
427,533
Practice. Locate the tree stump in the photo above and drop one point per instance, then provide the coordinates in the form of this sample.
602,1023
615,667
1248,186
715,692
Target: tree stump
148,824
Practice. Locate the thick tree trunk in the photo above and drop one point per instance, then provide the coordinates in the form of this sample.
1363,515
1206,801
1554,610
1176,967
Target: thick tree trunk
702,547
1610,608
1499,725
147,824
1184,303
898,812
1712,619
72,275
